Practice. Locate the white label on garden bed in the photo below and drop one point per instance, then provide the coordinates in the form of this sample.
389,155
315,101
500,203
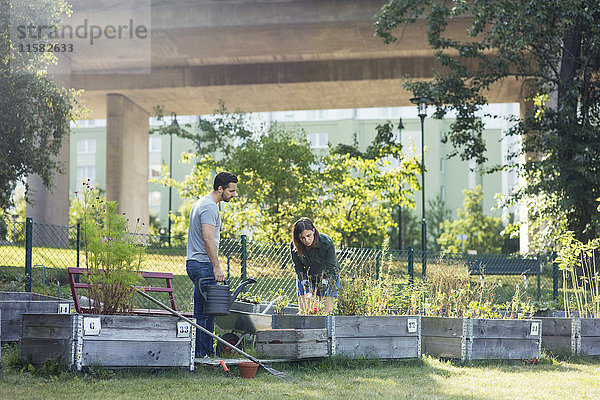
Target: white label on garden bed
412,325
64,308
91,326
183,329
535,328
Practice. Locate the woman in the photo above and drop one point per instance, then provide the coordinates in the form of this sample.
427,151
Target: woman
315,262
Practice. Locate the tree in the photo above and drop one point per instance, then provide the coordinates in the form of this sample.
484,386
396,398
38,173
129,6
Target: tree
554,49
277,175
356,193
275,167
437,214
35,112
483,232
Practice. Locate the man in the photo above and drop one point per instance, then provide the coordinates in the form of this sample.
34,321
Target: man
202,250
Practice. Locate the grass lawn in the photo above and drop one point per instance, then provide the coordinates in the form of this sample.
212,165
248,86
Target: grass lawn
327,379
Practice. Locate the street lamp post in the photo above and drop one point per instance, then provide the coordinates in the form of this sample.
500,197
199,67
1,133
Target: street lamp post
400,224
174,125
422,103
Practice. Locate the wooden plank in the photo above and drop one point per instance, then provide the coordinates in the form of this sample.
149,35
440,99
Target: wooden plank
244,307
441,326
590,327
36,351
557,344
299,322
446,347
378,347
503,328
590,345
25,296
12,310
64,331
373,326
139,322
556,326
293,350
114,353
58,326
505,349
291,335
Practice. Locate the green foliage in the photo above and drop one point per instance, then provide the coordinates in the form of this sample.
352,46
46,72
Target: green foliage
483,232
449,291
282,302
281,179
365,295
35,112
112,255
581,278
276,177
436,215
553,48
411,230
353,210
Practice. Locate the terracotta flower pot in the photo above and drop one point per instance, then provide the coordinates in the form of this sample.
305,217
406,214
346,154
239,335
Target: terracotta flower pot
248,369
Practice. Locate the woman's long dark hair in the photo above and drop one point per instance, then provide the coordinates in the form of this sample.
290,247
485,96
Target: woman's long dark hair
303,224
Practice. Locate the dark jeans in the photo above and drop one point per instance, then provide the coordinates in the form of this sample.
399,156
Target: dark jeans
196,271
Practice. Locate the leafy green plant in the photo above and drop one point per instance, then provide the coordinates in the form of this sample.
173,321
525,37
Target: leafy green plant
112,254
282,303
363,294
581,279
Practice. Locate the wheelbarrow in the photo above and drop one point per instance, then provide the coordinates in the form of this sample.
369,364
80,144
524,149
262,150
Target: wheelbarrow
242,324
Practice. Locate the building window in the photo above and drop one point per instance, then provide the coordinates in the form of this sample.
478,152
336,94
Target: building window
442,165
154,198
86,172
155,171
155,144
86,146
318,140
443,193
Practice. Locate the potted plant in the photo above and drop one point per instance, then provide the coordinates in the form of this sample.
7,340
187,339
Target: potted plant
110,335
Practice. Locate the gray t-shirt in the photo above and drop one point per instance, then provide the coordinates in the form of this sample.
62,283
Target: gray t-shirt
204,211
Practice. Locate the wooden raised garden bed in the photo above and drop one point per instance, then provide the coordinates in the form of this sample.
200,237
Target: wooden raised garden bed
477,339
113,341
292,343
14,304
387,337
577,336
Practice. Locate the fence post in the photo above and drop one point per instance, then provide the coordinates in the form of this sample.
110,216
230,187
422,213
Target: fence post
78,238
244,258
554,277
377,262
411,266
228,265
28,251
539,282
424,263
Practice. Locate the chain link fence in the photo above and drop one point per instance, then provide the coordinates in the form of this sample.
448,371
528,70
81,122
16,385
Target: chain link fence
35,257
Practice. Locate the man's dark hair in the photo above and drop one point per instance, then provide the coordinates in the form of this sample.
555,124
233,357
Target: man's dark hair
224,179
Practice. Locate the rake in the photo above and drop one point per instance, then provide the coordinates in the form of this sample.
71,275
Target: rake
270,370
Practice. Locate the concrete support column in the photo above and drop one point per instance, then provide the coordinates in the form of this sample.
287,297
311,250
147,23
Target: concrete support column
50,208
127,126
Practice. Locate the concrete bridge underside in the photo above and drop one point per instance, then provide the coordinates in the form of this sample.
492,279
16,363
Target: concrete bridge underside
255,55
